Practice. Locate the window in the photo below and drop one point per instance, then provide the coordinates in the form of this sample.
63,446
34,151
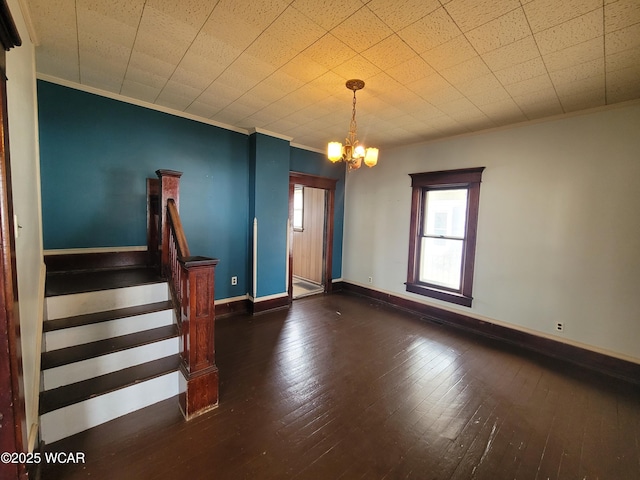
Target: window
442,242
298,208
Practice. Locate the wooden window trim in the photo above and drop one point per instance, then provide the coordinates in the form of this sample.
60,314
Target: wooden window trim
469,178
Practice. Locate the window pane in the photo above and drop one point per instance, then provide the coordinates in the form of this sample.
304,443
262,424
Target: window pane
441,262
298,204
445,212
297,219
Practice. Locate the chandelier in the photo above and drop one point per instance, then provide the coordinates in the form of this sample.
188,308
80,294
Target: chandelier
352,152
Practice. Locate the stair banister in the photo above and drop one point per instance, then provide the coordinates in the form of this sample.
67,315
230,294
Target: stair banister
191,280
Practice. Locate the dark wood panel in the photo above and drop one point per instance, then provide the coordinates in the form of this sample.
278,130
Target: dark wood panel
236,307
77,392
341,386
105,316
95,261
90,281
268,305
76,353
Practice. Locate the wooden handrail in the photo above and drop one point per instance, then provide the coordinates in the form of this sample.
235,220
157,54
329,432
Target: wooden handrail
176,229
191,281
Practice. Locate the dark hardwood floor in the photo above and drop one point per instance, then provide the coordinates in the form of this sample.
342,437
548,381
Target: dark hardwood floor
341,387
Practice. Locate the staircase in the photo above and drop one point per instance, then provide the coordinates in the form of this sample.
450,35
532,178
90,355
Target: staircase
110,347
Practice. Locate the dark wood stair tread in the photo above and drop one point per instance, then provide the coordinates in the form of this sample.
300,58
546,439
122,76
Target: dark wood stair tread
76,353
77,392
90,281
105,316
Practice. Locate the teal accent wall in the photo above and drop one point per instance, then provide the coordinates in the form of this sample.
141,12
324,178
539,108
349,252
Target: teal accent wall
269,165
95,156
313,163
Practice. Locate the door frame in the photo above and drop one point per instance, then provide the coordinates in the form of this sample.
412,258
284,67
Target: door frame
12,410
329,185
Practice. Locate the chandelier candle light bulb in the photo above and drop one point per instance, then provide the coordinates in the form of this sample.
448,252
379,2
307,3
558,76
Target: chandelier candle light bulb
352,152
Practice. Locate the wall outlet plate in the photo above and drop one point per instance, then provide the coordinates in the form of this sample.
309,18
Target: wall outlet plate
234,280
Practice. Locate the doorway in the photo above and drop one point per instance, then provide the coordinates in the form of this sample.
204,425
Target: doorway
311,200
308,276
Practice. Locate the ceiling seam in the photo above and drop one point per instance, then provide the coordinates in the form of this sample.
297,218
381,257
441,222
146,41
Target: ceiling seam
235,59
133,46
75,11
604,52
186,51
491,70
327,32
417,55
546,69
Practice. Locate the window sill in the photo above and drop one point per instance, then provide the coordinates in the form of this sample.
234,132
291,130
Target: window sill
443,295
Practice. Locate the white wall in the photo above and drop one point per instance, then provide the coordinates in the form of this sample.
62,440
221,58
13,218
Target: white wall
25,170
558,232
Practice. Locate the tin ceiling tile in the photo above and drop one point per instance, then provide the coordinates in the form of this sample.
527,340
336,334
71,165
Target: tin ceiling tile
575,55
357,67
450,54
274,58
362,30
398,15
413,69
469,14
430,31
621,14
544,14
521,71
623,85
512,54
571,32
623,39
502,31
621,60
329,52
328,13
388,53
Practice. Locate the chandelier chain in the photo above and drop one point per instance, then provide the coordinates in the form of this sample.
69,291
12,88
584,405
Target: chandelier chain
353,126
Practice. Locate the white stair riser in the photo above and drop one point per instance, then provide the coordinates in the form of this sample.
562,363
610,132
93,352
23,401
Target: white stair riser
63,306
81,416
93,367
100,331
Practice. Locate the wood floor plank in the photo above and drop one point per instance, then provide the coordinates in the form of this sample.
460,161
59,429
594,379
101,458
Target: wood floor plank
342,387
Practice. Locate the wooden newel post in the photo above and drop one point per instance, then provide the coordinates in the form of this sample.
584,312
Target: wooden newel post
198,350
192,281
169,188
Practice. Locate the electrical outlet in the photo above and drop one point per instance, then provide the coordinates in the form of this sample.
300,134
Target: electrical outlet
370,279
234,280
560,327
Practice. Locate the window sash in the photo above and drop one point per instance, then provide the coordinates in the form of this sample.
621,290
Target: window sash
441,261
445,204
450,290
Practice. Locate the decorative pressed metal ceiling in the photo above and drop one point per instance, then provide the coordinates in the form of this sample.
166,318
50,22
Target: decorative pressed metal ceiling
433,68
